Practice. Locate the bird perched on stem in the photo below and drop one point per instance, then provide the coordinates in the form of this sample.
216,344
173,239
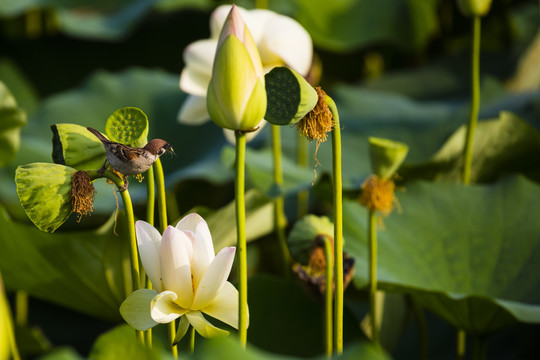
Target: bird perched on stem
128,160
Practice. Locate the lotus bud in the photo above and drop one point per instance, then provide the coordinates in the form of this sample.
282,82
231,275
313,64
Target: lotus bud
474,7
236,97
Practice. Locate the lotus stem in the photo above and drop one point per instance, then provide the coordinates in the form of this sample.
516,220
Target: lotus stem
241,235
475,100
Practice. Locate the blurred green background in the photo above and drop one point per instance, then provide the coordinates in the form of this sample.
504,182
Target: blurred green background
396,69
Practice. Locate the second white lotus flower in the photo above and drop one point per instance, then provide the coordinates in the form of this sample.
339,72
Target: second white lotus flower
188,279
280,41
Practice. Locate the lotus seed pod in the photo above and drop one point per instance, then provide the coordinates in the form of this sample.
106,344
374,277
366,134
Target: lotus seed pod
386,156
474,7
289,96
128,126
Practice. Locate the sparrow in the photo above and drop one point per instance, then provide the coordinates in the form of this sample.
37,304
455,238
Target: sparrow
128,160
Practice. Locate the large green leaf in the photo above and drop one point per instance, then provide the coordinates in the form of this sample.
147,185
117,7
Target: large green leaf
424,126
467,253
349,24
80,270
121,343
284,319
18,84
500,146
11,121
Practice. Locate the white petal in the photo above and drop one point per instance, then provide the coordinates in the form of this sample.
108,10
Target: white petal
285,40
231,138
163,308
198,59
136,309
218,17
175,265
190,222
213,279
203,248
193,111
203,253
203,327
149,243
224,307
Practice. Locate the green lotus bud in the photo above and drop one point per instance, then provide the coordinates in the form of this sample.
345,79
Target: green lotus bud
474,7
236,98
386,156
290,97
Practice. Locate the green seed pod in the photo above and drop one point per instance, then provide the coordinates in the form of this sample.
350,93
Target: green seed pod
289,96
76,147
44,191
305,232
128,126
474,7
386,156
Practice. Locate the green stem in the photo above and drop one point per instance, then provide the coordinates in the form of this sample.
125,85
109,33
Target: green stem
372,244
338,227
135,272
480,348
161,196
241,235
150,206
7,322
302,149
192,340
21,308
423,342
128,207
280,221
328,296
460,346
475,101
150,196
162,207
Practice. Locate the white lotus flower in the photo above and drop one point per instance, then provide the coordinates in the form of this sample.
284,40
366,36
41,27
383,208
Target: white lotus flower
188,279
279,39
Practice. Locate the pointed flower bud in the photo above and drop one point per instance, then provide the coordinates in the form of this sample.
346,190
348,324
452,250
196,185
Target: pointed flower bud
236,97
474,7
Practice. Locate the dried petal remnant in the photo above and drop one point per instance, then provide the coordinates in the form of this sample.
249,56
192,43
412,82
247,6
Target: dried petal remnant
318,122
314,273
82,194
378,194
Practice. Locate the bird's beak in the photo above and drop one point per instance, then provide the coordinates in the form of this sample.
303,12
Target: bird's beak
170,149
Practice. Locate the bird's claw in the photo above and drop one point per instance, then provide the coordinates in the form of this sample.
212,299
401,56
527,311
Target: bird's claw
125,186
